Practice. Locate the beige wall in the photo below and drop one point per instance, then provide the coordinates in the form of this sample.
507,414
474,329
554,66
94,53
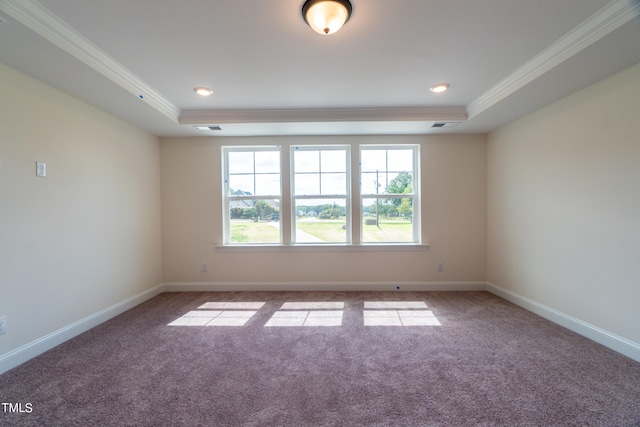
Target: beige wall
564,205
88,235
453,207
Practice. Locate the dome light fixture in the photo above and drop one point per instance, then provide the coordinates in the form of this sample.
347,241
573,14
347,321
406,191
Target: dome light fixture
326,16
202,91
439,88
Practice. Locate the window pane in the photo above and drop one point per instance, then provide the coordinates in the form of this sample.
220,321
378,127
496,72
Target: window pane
387,171
267,161
320,172
334,160
400,183
267,184
254,172
241,185
334,183
321,221
400,160
370,180
307,184
254,221
306,161
372,160
240,162
387,220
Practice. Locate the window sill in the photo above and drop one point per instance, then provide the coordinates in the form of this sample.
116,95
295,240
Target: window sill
385,247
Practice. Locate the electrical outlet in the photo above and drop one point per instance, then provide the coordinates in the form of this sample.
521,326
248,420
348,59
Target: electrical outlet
41,169
440,267
205,268
3,325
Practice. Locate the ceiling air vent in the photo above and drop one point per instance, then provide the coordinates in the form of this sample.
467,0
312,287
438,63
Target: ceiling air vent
208,127
444,124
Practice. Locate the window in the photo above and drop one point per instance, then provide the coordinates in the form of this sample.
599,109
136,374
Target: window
252,195
320,195
388,194
308,195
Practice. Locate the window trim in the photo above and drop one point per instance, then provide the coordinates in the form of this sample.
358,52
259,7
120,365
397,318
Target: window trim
347,196
329,247
415,196
354,200
226,197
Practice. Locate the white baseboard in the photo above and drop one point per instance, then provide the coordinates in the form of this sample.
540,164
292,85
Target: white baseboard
35,348
614,342
321,286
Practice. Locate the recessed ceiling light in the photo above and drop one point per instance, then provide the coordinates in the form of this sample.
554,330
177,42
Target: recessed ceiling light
439,88
202,91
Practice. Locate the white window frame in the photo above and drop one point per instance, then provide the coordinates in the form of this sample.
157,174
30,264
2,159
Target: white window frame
354,199
226,197
347,196
415,196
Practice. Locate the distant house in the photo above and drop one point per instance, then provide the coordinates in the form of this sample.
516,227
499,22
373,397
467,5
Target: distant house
240,203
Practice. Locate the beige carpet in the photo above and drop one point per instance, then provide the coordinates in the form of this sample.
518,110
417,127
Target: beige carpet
334,359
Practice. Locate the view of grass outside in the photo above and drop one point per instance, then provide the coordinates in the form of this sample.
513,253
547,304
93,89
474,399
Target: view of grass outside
321,231
248,231
393,224
318,230
387,230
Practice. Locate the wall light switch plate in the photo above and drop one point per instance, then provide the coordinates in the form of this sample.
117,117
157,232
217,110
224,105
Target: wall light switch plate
41,169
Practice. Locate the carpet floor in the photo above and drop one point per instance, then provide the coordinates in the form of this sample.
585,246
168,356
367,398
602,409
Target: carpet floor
349,359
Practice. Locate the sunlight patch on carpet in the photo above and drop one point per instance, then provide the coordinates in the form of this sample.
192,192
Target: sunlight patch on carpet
311,305
398,313
374,305
231,314
310,313
222,305
305,318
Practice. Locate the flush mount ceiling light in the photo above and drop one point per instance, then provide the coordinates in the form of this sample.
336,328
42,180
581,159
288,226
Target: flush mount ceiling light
326,16
202,91
439,88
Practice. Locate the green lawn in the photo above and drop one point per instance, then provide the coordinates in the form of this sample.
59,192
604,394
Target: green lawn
247,231
326,231
389,231
392,231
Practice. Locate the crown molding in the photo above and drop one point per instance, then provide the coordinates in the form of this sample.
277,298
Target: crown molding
321,115
603,22
37,18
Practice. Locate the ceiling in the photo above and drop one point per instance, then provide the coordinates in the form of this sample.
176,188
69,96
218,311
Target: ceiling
272,75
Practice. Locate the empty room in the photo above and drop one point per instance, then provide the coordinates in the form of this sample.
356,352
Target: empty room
320,213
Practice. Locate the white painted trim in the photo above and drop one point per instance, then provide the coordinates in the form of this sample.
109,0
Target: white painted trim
603,22
321,286
35,348
323,115
612,341
325,248
36,17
